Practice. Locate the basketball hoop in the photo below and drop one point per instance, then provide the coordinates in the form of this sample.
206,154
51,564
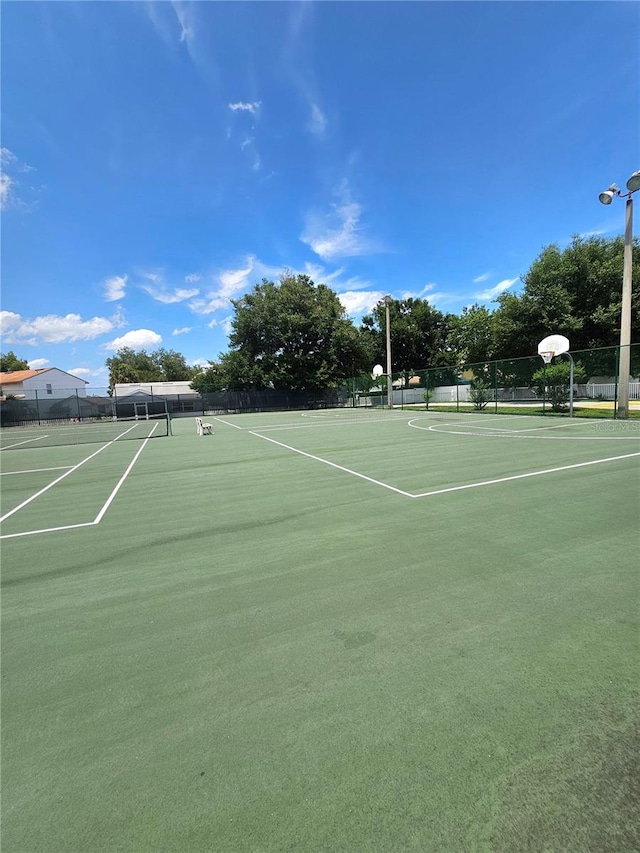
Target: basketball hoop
546,356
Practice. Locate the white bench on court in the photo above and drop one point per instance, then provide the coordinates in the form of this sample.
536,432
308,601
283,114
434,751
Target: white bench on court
203,428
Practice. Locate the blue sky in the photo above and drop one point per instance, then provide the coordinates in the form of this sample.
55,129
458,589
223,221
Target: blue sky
159,159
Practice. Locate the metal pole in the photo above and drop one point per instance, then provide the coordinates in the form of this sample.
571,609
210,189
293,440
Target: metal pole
387,302
570,386
625,320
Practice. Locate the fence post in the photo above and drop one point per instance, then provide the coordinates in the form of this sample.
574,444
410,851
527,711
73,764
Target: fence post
78,405
37,407
495,387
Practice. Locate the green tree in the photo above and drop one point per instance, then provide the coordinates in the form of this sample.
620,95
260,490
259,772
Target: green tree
291,335
209,379
419,335
576,292
472,335
9,362
553,382
129,365
172,366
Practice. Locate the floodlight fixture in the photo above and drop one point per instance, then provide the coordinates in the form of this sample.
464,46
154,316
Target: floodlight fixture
606,197
633,183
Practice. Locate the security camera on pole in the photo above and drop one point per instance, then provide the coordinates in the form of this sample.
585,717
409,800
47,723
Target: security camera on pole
607,197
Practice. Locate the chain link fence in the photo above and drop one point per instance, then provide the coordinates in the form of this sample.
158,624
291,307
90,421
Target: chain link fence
504,384
490,385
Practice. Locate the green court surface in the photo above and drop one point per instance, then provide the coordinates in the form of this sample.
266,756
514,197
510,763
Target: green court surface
323,631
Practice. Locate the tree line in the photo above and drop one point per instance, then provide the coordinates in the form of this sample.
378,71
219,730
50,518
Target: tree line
295,335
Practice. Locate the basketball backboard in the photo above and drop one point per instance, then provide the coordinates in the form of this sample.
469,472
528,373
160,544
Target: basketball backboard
554,344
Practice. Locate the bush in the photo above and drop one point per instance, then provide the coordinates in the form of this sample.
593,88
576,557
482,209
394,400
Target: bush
552,382
479,393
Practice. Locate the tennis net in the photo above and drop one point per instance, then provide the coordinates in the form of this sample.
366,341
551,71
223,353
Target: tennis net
96,431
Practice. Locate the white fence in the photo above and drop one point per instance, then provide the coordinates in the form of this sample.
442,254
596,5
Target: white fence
607,391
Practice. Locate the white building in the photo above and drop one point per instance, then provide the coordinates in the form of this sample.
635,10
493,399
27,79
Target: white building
47,383
156,389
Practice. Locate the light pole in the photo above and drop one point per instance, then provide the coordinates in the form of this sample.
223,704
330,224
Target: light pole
387,303
606,197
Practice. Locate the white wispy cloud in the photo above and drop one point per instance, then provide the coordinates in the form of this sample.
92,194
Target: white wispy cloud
158,289
479,279
115,287
338,234
243,106
171,297
231,283
192,278
10,160
53,328
492,292
185,19
10,195
38,363
318,122
7,157
427,291
137,339
6,192
183,331
226,324
335,279
358,302
99,376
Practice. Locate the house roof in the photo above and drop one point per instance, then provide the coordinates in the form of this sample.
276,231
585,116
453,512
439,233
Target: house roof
20,375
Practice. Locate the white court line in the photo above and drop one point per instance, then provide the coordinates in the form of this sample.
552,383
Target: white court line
58,479
327,423
100,515
35,470
222,421
522,476
26,441
518,434
528,429
448,488
334,465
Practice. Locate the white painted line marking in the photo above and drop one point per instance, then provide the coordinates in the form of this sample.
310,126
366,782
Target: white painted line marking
47,530
58,479
35,470
310,425
100,515
26,441
102,512
448,488
334,465
522,476
222,421
443,430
